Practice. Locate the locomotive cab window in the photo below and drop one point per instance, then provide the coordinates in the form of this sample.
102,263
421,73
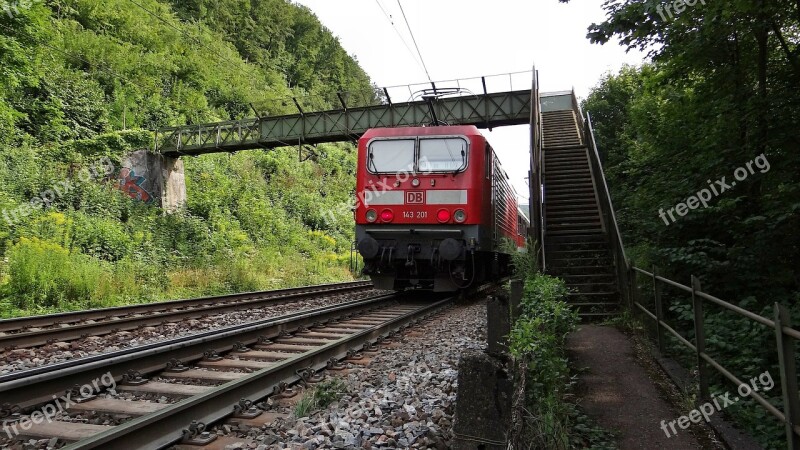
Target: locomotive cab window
442,155
391,156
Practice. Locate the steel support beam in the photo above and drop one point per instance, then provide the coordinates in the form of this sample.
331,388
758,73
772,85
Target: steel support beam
482,110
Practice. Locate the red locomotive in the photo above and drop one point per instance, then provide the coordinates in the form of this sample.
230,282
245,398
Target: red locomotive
434,207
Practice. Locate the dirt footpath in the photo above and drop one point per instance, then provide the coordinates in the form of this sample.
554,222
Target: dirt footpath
618,394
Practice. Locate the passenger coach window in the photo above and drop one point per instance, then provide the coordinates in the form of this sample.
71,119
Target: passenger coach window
442,155
391,156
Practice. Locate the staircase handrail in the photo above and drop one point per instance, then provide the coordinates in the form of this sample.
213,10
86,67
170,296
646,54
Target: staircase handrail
621,262
537,169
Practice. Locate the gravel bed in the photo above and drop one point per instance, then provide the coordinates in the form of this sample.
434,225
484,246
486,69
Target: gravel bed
405,398
22,359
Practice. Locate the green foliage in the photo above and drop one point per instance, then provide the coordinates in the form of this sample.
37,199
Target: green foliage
320,396
86,79
720,91
537,339
44,274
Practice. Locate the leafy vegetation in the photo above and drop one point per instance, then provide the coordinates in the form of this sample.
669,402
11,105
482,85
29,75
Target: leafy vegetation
320,396
84,79
538,340
721,90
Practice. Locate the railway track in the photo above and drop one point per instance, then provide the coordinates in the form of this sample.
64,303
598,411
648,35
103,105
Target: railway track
207,377
42,330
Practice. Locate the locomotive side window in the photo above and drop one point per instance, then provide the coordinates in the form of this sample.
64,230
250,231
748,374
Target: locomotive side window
488,161
391,156
442,155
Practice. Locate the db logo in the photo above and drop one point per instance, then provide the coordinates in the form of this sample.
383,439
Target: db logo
415,198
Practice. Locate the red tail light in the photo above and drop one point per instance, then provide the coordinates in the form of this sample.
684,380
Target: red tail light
443,215
387,215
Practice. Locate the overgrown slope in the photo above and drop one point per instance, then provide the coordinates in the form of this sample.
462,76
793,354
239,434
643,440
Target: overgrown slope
81,80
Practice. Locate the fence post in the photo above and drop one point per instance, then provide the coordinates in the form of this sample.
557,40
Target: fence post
659,311
700,337
791,403
633,288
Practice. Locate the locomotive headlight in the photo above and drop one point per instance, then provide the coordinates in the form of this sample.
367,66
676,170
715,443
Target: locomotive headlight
415,182
460,216
372,215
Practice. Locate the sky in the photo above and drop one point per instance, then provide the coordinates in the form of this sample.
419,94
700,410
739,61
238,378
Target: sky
461,39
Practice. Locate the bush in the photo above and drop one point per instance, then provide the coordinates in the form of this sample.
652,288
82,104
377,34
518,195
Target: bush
537,339
44,274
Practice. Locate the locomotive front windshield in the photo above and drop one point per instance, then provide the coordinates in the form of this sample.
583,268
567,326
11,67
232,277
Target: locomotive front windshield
442,155
391,156
401,155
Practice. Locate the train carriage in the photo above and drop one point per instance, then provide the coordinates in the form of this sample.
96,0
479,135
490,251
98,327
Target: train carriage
434,208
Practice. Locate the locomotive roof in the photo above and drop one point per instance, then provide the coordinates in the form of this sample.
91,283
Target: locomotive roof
463,130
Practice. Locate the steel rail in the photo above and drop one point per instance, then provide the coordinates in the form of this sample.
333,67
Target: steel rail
127,318
165,427
36,386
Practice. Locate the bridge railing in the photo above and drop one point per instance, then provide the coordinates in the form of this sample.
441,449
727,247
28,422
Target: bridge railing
535,174
785,337
505,82
486,102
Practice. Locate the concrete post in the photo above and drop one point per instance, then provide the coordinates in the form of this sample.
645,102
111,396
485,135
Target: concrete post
483,409
498,325
153,178
173,190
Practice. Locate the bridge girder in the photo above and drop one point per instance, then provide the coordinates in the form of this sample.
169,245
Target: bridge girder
482,110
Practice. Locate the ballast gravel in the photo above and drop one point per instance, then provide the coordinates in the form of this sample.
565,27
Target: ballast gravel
404,398
29,358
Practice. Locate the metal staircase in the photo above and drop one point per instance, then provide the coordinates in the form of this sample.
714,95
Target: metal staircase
576,241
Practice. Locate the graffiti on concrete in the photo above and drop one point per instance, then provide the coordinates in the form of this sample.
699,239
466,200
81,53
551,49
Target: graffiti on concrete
131,185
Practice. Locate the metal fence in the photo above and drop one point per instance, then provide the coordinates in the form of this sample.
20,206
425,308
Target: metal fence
627,275
784,337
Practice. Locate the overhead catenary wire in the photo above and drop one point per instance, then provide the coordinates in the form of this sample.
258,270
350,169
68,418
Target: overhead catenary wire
413,39
399,35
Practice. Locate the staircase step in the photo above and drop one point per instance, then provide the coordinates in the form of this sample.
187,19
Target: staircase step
565,159
575,151
568,263
558,226
569,189
566,147
577,171
567,205
571,198
557,166
557,184
570,231
579,216
561,141
592,294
